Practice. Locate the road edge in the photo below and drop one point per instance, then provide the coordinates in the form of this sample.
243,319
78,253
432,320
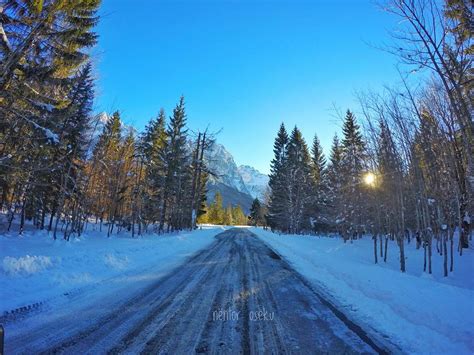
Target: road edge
372,337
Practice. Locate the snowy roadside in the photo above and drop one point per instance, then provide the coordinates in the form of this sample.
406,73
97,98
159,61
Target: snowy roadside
420,313
36,270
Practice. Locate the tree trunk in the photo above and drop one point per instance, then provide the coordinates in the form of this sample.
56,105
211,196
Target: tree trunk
386,249
51,217
66,231
22,219
163,212
381,245
56,226
43,217
110,228
445,253
11,217
402,253
429,253
451,237
441,241
11,212
424,259
196,167
375,248
463,239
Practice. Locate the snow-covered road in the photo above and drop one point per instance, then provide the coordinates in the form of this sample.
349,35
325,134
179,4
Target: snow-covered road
235,296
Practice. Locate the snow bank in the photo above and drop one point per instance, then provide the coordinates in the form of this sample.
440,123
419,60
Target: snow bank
418,312
26,265
36,269
116,262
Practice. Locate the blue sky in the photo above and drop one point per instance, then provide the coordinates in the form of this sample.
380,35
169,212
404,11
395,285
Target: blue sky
243,66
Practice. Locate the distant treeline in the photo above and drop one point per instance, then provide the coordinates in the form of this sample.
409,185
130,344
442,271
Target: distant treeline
216,213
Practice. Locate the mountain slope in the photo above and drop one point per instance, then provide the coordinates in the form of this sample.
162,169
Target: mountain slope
237,185
254,180
230,196
221,163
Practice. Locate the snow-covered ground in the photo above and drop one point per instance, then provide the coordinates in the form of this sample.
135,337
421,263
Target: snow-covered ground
417,312
36,270
420,313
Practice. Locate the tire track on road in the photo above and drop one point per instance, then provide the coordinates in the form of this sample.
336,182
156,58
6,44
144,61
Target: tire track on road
175,315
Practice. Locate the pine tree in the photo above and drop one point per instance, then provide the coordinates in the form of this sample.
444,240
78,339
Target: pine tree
335,185
227,218
127,171
105,166
280,152
353,166
216,211
319,190
256,213
279,183
201,193
300,183
56,40
318,166
152,146
238,216
71,149
154,138
42,47
177,178
203,218
56,189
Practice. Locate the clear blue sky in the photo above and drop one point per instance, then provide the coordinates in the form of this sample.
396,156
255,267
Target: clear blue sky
243,66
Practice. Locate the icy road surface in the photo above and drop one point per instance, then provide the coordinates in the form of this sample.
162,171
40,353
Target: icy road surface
236,296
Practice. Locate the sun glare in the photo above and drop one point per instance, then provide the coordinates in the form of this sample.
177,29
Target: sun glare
369,179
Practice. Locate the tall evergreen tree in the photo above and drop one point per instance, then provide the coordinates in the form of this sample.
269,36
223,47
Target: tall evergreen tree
228,218
335,184
71,149
42,47
56,41
104,168
353,166
152,146
256,213
319,189
216,211
300,182
203,218
238,216
279,182
176,160
318,160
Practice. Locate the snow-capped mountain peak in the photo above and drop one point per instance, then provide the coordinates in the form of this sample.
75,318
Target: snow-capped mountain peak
221,163
254,180
246,181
